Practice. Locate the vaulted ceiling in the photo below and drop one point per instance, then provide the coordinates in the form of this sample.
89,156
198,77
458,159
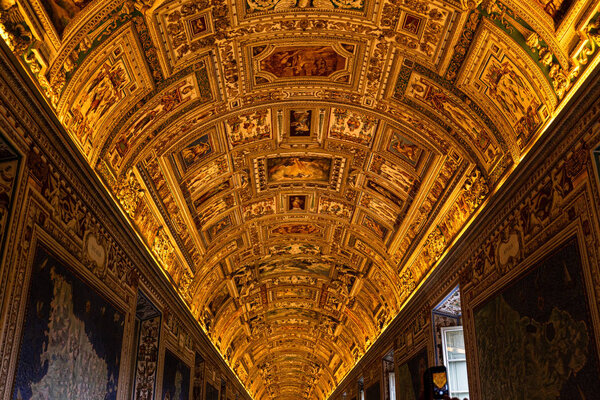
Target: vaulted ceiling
298,167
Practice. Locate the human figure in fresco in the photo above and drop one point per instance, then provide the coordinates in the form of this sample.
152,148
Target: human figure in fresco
300,124
259,5
507,88
297,203
193,153
62,12
512,94
303,169
411,24
406,149
313,61
441,102
198,25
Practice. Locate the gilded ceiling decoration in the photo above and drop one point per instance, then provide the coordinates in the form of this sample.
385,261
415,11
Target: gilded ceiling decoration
297,167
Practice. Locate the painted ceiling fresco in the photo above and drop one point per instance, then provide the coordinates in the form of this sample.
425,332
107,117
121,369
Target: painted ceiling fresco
297,167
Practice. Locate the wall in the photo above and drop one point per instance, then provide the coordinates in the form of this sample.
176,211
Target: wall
71,275
531,257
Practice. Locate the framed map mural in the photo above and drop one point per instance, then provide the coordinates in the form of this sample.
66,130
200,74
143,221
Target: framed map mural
535,339
72,337
176,378
410,377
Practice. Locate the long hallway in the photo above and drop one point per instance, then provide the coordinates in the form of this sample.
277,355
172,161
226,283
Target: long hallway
288,200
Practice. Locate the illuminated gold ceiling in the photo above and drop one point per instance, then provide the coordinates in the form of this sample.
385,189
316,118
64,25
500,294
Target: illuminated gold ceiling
298,167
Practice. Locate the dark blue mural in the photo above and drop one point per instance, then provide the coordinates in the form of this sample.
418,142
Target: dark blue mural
535,339
176,378
71,343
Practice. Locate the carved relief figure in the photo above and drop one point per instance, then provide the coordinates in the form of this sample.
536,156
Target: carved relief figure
65,207
351,126
411,24
557,9
308,61
248,128
298,169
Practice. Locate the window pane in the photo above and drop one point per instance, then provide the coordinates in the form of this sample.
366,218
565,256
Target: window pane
392,381
456,363
455,344
460,395
459,381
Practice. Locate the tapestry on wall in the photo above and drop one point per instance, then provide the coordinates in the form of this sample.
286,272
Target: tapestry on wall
9,165
71,341
374,391
535,339
211,392
176,378
198,380
410,377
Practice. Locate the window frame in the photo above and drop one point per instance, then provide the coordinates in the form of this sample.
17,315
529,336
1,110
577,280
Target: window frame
447,361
